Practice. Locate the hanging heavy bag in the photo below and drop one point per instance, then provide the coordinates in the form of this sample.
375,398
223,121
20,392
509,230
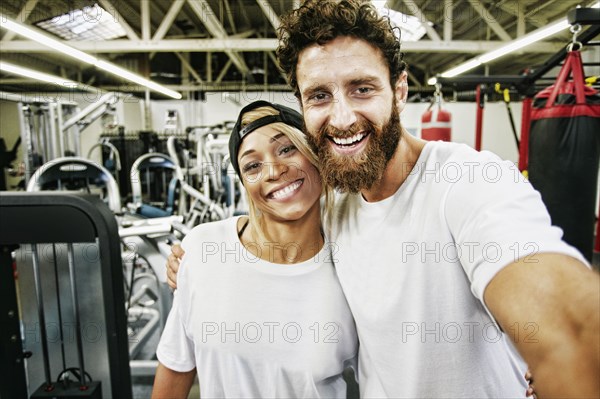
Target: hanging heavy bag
436,123
564,151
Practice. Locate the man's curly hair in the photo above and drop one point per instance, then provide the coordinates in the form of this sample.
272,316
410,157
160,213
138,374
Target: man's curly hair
320,21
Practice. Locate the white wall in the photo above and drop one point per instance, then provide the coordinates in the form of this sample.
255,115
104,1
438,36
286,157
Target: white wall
217,108
497,134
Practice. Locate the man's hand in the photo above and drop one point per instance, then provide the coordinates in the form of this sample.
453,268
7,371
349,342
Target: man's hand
173,264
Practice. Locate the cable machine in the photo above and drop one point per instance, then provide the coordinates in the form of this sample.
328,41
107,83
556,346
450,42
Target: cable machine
64,325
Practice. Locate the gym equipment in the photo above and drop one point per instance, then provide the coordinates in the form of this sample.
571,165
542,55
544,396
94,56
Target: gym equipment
524,143
506,97
113,161
524,84
65,249
564,151
102,107
141,264
480,100
7,157
202,207
73,173
154,169
436,123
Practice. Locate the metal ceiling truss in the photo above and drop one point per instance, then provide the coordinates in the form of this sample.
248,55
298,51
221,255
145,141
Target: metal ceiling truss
155,27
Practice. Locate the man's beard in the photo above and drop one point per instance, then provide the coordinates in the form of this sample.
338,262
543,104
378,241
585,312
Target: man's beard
353,173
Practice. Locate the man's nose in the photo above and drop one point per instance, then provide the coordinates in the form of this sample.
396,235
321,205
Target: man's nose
342,113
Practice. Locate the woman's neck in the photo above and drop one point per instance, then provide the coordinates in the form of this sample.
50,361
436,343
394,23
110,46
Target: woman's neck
287,242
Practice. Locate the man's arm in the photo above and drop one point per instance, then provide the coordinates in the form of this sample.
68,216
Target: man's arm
172,384
551,310
173,264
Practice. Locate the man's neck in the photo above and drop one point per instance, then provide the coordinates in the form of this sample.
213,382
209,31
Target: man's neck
397,170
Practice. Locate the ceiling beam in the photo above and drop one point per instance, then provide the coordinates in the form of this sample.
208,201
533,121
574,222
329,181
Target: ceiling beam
448,18
489,19
271,55
521,21
223,71
111,9
518,10
250,45
416,11
269,13
145,19
203,11
21,17
229,16
167,21
188,67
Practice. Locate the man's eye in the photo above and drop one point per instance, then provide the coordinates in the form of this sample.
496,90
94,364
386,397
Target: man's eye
318,98
364,90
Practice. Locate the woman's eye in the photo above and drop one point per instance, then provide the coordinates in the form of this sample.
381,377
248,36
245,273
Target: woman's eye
251,167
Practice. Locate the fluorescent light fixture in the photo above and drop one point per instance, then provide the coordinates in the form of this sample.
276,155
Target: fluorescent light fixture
46,40
116,70
44,77
467,66
514,45
517,44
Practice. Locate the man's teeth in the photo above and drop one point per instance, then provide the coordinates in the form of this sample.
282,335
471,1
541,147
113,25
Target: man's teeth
287,190
349,140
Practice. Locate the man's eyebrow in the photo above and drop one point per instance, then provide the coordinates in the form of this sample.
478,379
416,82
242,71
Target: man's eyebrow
365,80
314,89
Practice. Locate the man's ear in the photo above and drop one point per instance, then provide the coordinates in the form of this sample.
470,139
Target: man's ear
401,91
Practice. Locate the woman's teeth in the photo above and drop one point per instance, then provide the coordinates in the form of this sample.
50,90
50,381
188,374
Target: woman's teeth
287,190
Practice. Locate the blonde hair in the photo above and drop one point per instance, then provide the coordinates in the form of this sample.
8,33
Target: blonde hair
299,140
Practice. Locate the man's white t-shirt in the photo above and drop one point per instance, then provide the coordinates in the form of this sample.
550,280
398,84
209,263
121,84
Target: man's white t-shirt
256,329
414,268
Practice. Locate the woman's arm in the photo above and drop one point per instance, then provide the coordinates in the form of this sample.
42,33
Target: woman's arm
172,384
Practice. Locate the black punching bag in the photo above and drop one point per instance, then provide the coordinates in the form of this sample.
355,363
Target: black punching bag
564,151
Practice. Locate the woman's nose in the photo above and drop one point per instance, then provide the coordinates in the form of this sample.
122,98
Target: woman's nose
276,170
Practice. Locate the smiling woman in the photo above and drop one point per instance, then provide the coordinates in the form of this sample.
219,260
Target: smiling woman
279,173
259,311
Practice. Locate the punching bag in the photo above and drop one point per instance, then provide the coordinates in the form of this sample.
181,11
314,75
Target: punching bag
436,123
564,152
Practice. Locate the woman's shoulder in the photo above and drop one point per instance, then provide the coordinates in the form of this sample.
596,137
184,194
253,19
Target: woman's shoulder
222,230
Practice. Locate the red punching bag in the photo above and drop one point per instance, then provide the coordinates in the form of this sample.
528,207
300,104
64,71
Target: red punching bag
436,123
